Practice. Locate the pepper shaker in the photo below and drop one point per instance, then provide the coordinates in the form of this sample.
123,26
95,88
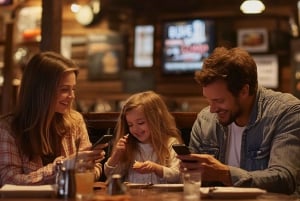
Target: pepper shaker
115,186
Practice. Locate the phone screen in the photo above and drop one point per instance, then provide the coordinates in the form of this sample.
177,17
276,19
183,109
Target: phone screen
104,139
181,149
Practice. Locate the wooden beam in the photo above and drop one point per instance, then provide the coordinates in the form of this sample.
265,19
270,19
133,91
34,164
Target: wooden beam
7,89
51,25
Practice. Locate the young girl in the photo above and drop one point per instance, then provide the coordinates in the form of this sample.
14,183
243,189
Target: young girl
44,128
142,151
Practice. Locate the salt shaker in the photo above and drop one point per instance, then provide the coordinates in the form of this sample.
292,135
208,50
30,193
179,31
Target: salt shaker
115,186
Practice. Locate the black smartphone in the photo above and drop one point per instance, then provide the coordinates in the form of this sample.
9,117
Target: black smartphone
104,139
181,149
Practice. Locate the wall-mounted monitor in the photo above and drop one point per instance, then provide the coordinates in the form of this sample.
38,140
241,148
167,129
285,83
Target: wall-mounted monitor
143,46
5,2
186,43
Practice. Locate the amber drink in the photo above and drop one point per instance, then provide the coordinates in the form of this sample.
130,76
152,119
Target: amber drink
85,178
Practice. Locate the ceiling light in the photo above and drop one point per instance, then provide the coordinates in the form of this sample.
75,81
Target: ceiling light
252,7
75,7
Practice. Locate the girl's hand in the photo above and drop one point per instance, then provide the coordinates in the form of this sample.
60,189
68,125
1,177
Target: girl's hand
146,167
118,151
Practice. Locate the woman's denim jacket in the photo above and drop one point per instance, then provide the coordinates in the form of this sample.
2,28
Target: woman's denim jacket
270,150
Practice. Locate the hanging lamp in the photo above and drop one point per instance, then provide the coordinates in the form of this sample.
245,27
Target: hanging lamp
252,7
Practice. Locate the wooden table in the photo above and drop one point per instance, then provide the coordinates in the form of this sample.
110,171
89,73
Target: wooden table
159,195
166,196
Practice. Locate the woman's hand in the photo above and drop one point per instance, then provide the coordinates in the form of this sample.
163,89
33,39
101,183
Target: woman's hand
96,154
99,152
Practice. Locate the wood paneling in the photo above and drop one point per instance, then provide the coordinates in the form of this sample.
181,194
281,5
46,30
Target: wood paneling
122,15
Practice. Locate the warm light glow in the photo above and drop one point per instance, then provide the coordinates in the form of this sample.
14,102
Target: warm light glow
75,7
252,7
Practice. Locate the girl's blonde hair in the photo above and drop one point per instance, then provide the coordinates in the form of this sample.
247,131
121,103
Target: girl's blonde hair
160,121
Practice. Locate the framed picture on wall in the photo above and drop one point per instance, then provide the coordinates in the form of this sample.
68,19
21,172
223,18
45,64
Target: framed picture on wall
253,40
105,56
143,46
267,70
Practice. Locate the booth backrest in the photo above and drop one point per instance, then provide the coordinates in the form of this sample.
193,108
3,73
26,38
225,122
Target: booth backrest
99,123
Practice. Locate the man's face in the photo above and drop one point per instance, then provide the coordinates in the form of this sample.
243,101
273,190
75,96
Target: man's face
222,102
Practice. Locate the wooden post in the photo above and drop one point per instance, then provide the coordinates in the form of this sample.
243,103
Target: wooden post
51,25
7,89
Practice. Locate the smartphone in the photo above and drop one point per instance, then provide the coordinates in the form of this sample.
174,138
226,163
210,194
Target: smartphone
104,139
181,149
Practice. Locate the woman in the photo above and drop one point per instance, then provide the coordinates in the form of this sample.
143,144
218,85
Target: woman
44,128
145,155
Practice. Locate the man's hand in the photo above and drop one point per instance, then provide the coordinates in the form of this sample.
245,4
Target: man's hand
211,168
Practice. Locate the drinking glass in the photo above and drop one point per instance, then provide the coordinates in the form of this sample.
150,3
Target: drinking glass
85,178
191,186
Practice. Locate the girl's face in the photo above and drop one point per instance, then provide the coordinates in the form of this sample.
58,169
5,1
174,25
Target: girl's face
138,125
65,92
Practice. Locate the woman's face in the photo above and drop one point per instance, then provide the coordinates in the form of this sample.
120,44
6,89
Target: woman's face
138,125
65,92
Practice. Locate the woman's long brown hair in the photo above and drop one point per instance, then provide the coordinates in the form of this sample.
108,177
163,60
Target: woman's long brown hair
36,125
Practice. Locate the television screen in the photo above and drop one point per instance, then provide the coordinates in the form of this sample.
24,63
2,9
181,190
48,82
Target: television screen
186,44
5,2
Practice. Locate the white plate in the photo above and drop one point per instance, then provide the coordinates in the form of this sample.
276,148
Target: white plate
14,191
231,192
137,185
170,187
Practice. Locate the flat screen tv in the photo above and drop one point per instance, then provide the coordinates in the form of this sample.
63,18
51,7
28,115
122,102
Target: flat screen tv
5,2
186,43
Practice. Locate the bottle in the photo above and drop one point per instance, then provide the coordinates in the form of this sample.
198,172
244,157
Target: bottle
60,179
65,181
115,186
70,183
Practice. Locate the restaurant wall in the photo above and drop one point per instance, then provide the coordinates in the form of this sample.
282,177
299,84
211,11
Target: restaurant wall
181,90
108,90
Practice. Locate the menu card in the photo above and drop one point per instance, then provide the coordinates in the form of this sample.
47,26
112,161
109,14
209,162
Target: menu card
9,190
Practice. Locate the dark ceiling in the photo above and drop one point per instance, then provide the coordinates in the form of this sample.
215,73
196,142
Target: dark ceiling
151,9
178,5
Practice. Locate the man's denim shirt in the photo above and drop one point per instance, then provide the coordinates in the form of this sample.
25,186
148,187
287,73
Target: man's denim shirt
270,144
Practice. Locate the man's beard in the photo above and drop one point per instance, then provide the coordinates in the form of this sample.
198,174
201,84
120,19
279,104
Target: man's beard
231,119
233,115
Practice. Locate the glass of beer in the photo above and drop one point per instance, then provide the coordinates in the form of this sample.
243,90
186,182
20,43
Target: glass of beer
85,178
